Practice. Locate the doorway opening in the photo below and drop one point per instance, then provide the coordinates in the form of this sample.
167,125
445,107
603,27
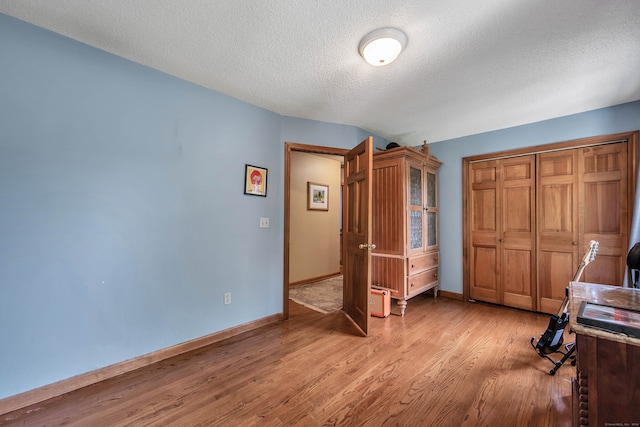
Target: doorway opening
293,241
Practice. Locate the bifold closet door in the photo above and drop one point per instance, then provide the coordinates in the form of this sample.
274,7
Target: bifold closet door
582,196
558,231
502,259
605,210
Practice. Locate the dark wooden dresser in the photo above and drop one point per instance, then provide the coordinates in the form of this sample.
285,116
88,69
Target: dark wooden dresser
606,389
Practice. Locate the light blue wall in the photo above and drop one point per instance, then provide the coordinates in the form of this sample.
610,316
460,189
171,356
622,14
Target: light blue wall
122,214
324,134
621,118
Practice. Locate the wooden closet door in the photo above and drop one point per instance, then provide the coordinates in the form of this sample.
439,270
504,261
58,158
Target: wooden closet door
604,210
517,243
484,201
584,191
558,242
503,231
582,197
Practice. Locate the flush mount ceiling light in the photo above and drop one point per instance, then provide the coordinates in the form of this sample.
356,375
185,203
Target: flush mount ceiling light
382,46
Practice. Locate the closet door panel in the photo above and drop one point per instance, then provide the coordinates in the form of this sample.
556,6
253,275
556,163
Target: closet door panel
517,242
557,219
517,283
597,216
554,267
503,230
556,196
484,259
484,211
604,208
484,276
517,210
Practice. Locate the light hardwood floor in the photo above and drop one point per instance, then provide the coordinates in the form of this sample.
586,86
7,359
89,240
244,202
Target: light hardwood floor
446,363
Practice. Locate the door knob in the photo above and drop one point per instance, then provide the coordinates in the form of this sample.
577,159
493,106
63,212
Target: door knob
366,246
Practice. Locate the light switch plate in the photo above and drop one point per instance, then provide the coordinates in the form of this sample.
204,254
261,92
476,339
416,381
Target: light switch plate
264,222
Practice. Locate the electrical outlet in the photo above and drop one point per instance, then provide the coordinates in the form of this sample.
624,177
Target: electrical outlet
264,222
227,298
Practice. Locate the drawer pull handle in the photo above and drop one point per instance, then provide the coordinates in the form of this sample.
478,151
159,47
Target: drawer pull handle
412,285
435,259
413,266
435,275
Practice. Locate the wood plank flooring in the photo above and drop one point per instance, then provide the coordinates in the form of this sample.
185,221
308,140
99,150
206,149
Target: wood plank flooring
446,363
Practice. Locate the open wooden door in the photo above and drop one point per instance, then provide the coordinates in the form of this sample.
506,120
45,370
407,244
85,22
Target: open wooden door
356,211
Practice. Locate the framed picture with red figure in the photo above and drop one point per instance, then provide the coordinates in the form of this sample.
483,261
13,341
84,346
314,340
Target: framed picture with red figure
255,181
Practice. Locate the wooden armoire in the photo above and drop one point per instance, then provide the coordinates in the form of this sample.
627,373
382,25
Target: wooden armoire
531,213
405,222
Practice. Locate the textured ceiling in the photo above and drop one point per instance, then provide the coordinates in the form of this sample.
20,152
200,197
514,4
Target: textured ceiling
470,66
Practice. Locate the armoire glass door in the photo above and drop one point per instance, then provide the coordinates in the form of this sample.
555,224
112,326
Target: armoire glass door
415,209
432,210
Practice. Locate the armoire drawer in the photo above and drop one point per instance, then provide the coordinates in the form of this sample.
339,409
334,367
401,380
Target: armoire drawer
422,262
424,280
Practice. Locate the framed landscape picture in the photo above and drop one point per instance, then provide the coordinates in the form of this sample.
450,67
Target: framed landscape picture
317,196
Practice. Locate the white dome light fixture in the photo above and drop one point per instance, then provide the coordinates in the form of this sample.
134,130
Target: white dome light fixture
382,46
